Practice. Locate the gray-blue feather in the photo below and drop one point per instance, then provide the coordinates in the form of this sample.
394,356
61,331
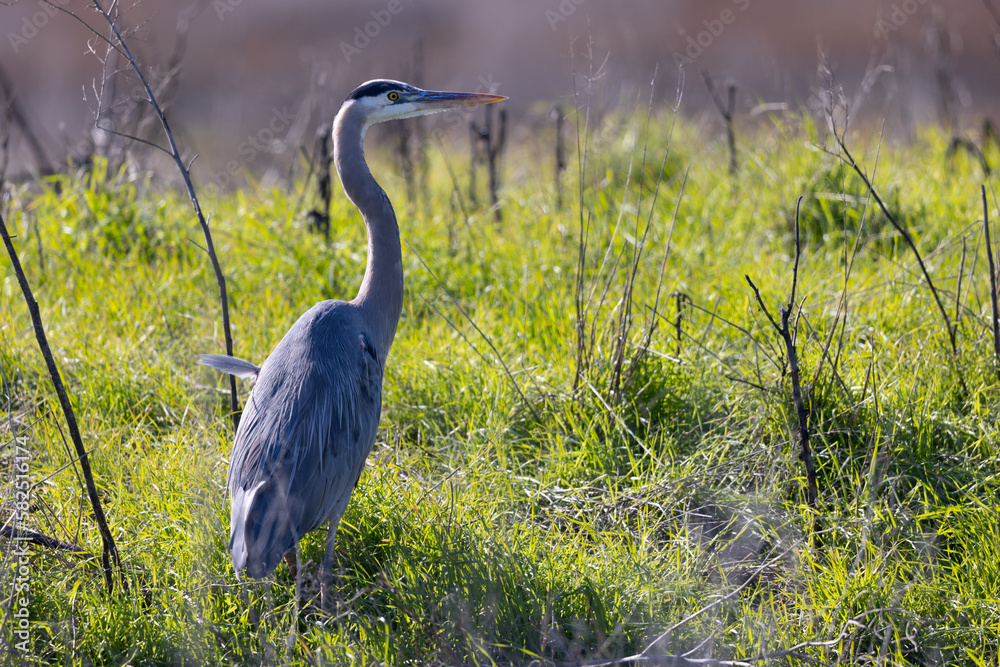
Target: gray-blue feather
232,365
306,431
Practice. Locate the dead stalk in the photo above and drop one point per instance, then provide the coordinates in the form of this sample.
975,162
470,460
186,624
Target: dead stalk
120,46
726,110
319,217
492,136
995,323
42,540
625,316
17,114
580,301
560,160
848,159
787,332
110,552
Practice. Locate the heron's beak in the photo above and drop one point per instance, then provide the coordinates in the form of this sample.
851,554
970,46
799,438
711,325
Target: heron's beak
436,100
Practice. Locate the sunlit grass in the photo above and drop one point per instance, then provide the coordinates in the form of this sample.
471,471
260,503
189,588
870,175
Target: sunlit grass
504,515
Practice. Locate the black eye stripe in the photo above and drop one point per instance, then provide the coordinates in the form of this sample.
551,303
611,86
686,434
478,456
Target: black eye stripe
376,88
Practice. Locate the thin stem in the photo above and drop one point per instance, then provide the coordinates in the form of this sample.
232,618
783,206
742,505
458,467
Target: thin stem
110,553
852,163
787,332
993,284
174,153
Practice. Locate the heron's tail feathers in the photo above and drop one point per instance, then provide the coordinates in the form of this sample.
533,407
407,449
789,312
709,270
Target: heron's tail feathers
231,365
261,532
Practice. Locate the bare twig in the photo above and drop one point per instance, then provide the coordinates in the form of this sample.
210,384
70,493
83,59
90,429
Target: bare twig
842,302
958,288
665,660
958,142
560,162
493,137
726,110
110,553
319,217
20,535
995,323
404,131
681,298
8,121
120,46
663,265
456,193
654,320
579,301
19,116
788,333
652,660
849,160
942,57
473,161
625,317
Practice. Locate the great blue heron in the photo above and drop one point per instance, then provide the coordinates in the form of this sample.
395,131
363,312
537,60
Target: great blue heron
312,415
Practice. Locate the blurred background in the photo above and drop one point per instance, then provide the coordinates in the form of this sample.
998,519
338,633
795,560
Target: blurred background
247,80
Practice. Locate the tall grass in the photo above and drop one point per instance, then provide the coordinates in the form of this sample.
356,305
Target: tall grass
506,516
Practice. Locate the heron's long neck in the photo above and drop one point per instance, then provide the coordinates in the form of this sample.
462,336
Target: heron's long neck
380,298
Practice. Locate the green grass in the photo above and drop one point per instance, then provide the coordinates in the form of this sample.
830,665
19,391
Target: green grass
508,516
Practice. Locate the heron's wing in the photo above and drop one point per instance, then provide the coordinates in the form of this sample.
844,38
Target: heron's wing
232,365
305,433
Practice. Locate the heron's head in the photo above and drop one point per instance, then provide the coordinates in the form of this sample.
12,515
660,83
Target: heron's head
383,99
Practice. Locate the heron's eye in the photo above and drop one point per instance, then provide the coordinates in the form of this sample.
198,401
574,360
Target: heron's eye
393,96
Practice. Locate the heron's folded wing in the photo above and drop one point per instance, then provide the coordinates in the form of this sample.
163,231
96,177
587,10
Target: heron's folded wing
306,431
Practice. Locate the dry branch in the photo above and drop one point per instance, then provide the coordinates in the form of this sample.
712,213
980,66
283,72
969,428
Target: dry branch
726,110
580,303
19,116
787,332
18,535
319,217
849,160
625,314
492,137
560,161
122,47
994,324
110,552
963,143
680,299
